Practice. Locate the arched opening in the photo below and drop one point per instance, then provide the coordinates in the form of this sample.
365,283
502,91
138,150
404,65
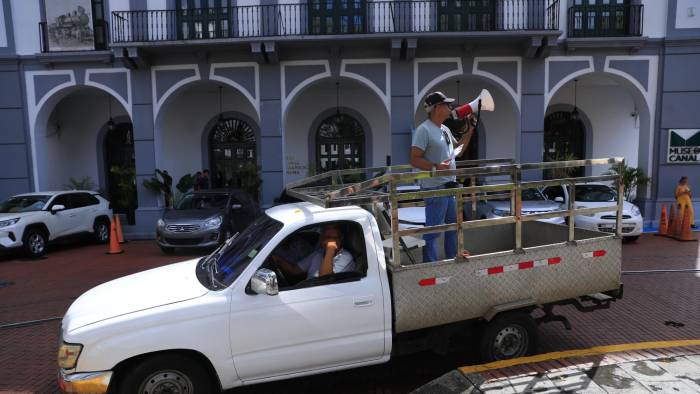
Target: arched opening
340,143
232,148
564,139
120,169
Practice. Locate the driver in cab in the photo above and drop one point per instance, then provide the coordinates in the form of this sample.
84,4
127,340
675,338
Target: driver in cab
328,258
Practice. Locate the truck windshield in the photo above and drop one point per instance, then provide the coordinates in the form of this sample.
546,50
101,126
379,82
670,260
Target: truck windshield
23,204
594,193
236,256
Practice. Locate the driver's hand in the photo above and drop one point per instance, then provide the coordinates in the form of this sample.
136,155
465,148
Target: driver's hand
332,247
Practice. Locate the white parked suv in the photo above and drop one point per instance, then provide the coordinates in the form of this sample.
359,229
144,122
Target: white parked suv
32,220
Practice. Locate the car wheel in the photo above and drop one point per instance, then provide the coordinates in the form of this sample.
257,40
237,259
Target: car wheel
101,231
35,241
511,335
167,249
167,373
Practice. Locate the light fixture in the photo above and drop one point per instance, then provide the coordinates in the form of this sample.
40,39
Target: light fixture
221,121
337,97
110,123
574,113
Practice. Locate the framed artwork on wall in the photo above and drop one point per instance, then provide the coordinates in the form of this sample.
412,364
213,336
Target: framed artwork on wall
70,25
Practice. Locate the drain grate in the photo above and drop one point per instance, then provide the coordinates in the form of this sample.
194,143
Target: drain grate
4,283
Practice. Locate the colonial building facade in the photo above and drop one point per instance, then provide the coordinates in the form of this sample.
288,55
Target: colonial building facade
111,90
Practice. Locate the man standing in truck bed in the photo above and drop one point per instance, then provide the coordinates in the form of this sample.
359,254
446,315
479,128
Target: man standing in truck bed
432,150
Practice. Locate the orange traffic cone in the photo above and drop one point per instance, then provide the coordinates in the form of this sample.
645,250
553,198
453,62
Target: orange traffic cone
114,247
120,236
686,234
671,221
678,224
663,223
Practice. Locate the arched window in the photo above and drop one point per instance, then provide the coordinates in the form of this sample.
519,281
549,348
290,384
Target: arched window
120,166
340,144
564,139
232,145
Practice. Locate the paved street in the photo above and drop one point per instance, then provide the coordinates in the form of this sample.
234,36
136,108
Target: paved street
655,307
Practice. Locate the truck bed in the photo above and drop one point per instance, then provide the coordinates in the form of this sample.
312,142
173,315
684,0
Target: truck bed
496,278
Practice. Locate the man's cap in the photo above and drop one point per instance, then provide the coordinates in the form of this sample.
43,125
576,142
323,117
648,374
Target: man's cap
437,98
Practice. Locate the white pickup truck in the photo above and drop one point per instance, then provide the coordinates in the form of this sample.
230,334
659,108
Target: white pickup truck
235,318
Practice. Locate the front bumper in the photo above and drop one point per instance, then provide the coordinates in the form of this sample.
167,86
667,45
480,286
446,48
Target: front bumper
10,238
195,239
630,227
87,382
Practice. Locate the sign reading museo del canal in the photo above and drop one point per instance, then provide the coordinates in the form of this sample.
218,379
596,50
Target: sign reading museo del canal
683,146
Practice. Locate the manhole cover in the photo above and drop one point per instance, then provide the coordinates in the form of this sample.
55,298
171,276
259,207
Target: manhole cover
4,283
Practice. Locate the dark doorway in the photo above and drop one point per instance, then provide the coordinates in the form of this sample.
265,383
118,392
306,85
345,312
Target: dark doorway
232,146
564,139
340,144
120,165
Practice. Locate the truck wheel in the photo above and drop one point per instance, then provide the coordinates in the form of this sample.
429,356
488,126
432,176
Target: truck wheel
511,335
101,231
34,243
167,373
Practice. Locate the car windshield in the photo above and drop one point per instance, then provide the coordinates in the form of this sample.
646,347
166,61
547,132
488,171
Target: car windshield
203,201
236,256
532,195
24,204
594,193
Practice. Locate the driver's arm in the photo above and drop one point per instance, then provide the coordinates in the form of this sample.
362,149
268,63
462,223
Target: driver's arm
287,267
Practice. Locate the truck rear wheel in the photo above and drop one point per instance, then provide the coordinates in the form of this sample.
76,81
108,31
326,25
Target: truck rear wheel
167,373
510,335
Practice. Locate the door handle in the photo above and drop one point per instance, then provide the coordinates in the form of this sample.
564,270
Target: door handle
364,301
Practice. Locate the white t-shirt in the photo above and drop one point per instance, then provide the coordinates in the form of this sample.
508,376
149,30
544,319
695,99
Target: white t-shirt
342,262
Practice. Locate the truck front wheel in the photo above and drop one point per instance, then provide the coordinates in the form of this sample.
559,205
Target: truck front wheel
510,335
167,373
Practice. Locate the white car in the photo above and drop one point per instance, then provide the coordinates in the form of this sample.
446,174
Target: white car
32,220
596,195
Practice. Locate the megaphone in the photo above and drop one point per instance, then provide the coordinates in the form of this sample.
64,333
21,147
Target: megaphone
483,102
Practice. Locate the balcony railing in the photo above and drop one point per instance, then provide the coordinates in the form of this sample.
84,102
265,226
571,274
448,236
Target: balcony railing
341,17
605,20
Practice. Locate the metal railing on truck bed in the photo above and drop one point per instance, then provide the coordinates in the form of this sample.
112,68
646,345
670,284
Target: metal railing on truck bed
369,186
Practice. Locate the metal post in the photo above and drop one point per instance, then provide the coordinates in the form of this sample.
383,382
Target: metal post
473,183
460,218
395,244
517,212
572,198
620,200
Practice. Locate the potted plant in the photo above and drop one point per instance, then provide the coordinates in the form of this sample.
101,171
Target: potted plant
126,202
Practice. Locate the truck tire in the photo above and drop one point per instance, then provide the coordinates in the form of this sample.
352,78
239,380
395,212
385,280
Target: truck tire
510,335
101,230
35,242
167,373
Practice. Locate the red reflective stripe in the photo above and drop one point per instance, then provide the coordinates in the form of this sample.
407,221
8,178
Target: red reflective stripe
554,260
526,265
427,282
495,270
599,253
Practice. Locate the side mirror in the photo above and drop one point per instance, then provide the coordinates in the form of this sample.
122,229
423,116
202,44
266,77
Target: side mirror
559,199
57,207
264,281
236,206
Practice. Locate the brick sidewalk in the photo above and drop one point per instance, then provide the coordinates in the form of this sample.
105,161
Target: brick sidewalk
45,288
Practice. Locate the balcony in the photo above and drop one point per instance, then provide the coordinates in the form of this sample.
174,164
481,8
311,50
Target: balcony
590,21
335,18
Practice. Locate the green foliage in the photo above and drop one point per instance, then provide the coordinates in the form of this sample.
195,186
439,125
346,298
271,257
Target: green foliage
162,185
127,185
250,181
632,179
558,173
84,183
185,183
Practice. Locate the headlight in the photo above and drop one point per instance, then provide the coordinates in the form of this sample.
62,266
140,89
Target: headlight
585,214
214,222
636,211
9,222
68,355
161,223
501,212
